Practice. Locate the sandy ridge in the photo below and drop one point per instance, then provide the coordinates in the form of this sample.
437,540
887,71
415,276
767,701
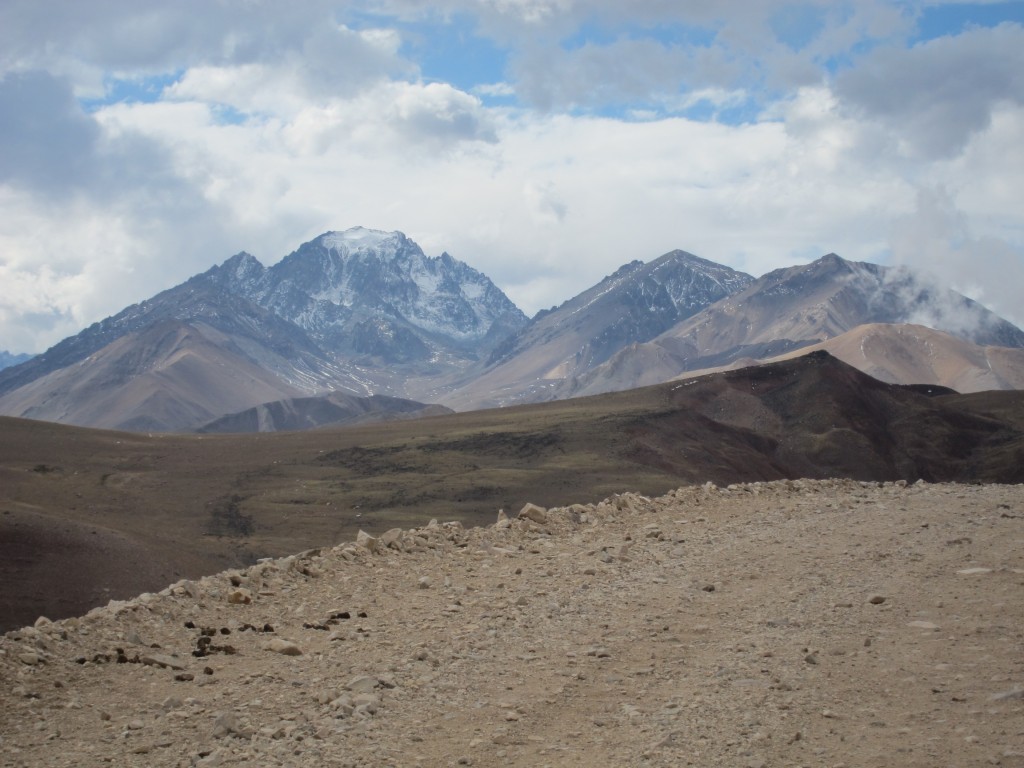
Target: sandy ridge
785,623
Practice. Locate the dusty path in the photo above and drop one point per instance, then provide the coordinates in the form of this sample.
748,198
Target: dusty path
782,624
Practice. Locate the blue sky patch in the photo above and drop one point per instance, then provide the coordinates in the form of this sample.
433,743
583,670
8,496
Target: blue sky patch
140,90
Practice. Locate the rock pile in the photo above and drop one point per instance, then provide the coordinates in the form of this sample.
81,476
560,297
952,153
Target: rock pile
789,623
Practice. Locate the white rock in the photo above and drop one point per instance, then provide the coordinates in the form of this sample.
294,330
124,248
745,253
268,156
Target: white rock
532,512
366,541
284,647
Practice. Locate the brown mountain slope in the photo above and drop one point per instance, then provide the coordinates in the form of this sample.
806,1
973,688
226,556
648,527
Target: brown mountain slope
793,309
913,354
636,303
166,377
334,409
201,503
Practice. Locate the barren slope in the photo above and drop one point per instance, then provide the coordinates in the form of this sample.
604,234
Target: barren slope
910,354
199,503
795,308
166,377
791,623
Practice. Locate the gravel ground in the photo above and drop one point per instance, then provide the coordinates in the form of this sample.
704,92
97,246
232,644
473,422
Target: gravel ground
795,623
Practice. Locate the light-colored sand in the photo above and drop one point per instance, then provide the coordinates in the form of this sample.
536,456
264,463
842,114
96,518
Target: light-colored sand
784,624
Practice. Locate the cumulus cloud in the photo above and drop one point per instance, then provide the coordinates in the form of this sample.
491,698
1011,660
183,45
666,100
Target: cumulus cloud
592,75
271,124
333,62
935,96
47,143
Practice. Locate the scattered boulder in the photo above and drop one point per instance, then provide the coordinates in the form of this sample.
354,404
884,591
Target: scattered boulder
532,512
228,724
240,596
366,541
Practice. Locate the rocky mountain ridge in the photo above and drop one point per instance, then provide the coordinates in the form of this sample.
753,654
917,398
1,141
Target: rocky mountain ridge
9,359
636,303
792,308
363,313
359,312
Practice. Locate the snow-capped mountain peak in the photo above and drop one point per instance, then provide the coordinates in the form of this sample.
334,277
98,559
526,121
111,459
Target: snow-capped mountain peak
358,239
371,292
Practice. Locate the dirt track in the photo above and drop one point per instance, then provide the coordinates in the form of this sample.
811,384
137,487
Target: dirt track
783,624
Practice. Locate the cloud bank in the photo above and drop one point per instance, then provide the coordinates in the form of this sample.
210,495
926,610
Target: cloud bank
141,142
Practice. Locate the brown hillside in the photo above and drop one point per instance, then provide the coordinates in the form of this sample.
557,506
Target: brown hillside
911,354
189,505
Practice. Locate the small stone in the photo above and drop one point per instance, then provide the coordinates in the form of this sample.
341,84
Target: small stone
362,684
922,625
284,647
160,660
1015,693
240,596
532,512
503,521
366,541
31,658
136,725
511,715
42,621
184,677
423,582
708,588
974,571
811,658
227,724
876,599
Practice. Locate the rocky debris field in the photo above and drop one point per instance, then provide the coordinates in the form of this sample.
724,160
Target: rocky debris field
793,623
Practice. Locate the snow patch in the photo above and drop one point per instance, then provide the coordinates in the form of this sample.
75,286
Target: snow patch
356,239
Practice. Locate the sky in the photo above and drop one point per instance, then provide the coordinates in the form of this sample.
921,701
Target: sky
543,142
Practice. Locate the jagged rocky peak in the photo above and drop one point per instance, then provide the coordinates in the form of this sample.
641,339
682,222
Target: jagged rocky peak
9,359
241,271
337,281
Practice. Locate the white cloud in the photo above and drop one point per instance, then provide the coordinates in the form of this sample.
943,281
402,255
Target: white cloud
936,240
933,97
332,127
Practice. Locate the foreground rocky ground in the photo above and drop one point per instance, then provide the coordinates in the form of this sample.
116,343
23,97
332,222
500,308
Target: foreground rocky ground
782,624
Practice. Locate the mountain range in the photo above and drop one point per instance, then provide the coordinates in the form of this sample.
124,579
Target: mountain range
364,313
